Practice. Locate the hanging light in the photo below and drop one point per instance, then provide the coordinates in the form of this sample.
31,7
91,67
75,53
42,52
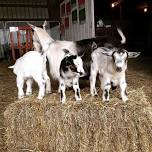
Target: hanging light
145,9
113,5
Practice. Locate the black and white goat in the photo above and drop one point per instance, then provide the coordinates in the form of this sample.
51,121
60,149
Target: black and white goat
111,66
31,65
71,68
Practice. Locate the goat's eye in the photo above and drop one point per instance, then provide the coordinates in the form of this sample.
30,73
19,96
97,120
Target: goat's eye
73,68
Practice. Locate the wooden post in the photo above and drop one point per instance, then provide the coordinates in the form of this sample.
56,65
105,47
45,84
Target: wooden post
19,43
12,46
31,40
26,40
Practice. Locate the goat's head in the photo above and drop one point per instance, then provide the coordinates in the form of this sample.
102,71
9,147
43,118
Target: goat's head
41,36
120,59
75,64
119,56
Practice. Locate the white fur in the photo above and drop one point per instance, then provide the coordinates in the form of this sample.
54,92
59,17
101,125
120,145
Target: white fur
123,41
105,66
31,65
55,54
36,46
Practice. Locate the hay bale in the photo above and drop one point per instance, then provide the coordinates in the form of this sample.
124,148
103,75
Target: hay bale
88,126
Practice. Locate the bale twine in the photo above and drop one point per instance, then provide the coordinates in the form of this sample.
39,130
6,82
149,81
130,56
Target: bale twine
88,126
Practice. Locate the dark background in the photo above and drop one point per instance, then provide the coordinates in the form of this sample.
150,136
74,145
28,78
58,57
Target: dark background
129,15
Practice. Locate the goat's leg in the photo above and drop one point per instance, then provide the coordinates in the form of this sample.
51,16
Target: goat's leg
48,83
29,87
76,89
20,83
93,76
41,83
105,85
123,86
61,90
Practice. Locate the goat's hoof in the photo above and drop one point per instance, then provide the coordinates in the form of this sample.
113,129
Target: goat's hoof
28,93
20,96
105,101
125,99
78,99
48,91
94,94
40,97
63,100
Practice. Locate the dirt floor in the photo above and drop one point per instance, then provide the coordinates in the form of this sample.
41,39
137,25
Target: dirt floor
139,78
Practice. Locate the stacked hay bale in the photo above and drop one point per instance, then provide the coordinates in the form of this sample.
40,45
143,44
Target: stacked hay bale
88,126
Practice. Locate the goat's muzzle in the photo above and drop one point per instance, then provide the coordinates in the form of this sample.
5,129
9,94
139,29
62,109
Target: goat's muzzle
118,69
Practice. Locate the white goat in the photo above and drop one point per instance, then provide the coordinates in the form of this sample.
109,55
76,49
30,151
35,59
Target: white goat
36,44
71,68
111,66
31,65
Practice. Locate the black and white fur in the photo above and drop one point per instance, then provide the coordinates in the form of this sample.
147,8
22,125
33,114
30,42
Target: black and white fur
71,68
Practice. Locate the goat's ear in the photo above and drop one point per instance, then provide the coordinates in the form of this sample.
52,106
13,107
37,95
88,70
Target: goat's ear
32,26
106,51
94,45
66,51
133,54
44,25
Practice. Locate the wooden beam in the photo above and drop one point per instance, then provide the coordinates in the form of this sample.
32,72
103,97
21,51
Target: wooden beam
53,9
23,19
49,8
24,5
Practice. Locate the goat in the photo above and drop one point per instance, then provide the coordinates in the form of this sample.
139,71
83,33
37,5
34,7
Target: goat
71,68
36,44
31,65
83,48
111,66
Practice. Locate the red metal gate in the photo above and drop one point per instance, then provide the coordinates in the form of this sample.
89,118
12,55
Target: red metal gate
22,48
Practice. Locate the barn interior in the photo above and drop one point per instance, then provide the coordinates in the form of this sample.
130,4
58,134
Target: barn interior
90,125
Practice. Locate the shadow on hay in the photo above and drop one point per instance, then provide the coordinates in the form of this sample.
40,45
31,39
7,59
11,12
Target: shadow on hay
88,126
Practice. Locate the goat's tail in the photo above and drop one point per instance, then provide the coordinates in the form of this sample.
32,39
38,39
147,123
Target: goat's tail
11,67
123,41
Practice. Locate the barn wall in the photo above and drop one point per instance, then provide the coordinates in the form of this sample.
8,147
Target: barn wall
23,9
23,13
14,13
79,30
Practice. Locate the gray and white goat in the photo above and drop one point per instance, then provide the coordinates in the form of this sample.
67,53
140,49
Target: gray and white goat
71,68
31,65
111,66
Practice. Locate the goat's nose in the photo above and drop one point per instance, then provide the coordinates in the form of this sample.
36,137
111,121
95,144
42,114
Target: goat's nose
81,73
118,69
